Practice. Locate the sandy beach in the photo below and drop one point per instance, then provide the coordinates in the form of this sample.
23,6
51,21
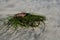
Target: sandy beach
49,8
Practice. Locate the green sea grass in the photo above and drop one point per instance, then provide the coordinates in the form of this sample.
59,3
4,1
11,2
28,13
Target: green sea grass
29,20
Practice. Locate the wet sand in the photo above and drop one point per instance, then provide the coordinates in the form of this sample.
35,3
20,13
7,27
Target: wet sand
49,8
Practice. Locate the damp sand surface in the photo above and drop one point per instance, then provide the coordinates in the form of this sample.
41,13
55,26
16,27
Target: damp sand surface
49,8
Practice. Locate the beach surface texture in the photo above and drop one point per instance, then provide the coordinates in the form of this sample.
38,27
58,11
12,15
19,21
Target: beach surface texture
48,8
